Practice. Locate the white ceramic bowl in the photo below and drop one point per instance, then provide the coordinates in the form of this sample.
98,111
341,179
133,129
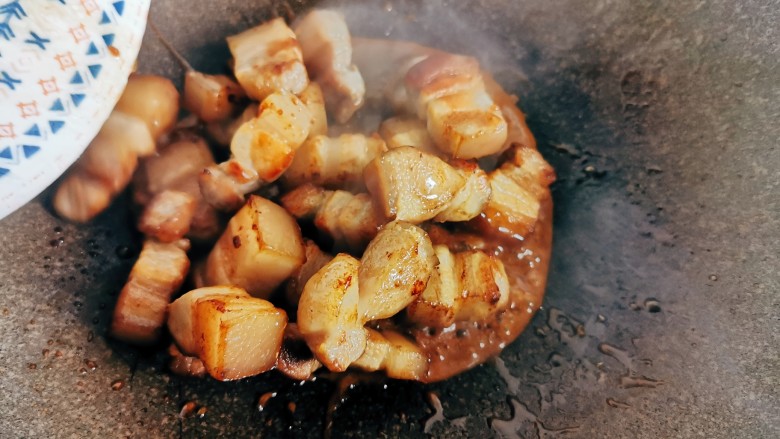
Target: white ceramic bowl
63,66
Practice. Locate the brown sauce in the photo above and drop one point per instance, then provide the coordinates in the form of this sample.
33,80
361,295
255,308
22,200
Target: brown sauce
466,344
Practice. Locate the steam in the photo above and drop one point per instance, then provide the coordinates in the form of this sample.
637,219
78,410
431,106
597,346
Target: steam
433,23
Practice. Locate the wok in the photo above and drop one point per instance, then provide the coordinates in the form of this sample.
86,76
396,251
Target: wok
662,310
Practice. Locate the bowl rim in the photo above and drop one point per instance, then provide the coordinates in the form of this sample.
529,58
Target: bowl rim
85,55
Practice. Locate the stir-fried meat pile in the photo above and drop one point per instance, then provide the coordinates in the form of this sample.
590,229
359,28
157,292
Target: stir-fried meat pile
372,243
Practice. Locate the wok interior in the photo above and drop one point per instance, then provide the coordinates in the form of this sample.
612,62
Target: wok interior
657,122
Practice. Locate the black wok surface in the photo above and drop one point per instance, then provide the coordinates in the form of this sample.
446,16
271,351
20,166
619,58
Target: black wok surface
662,313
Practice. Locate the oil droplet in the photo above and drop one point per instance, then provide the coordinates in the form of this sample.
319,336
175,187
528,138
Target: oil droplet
591,171
187,409
82,371
713,277
618,354
117,385
438,412
460,422
508,428
563,324
512,382
56,242
617,404
653,305
123,252
556,360
601,319
58,354
628,382
336,399
57,229
263,400
388,7
567,149
91,365
202,412
580,329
